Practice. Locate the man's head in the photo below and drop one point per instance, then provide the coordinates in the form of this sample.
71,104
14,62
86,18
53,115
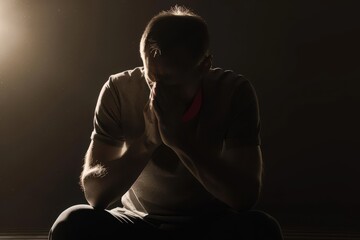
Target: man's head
175,42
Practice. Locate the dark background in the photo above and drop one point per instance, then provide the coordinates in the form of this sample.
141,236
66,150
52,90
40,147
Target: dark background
301,56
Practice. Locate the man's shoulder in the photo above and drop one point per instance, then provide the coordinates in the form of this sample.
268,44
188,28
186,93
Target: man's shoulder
133,75
221,77
129,83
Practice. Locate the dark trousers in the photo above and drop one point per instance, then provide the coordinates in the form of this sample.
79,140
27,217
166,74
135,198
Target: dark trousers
83,222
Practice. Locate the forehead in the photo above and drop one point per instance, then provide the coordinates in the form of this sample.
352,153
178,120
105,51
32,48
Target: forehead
176,61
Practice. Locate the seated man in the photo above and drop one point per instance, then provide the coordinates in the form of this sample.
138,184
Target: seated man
177,140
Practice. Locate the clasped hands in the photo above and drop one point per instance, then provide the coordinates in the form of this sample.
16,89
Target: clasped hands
163,119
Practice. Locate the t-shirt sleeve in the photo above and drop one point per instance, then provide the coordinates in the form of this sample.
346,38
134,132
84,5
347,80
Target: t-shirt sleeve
244,127
107,116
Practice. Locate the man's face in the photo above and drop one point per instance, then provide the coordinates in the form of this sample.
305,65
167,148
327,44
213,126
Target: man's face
175,69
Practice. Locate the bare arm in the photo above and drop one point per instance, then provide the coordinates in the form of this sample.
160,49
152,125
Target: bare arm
107,174
109,171
233,175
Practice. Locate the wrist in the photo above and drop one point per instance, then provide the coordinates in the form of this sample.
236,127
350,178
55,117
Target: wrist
148,144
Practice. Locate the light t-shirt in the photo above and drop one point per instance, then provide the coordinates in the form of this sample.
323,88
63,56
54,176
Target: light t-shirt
165,187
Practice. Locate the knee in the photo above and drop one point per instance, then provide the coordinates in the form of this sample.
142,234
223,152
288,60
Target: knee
73,223
265,223
253,224
262,218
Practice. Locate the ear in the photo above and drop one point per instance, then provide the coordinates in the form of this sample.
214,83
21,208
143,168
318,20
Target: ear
206,64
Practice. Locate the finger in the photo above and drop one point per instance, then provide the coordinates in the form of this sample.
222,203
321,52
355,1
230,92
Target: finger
159,94
158,100
153,106
156,109
148,114
152,92
152,96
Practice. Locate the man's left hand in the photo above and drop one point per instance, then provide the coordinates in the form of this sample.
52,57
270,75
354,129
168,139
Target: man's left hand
169,109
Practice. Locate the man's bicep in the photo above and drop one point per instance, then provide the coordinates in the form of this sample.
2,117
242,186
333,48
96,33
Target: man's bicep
107,116
100,152
246,158
244,126
107,139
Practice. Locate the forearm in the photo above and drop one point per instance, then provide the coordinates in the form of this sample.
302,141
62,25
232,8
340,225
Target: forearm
229,181
105,182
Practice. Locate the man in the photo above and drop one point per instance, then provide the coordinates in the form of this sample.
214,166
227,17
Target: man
176,140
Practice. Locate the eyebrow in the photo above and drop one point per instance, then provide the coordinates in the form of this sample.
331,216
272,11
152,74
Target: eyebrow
162,77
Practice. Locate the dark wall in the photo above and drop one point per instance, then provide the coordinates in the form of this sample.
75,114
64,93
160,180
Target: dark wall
302,57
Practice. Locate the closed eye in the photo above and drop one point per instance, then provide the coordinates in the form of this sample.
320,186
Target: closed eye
162,78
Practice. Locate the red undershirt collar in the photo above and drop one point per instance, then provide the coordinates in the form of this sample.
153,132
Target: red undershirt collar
194,108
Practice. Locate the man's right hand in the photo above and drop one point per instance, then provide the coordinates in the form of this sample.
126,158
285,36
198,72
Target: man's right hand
151,132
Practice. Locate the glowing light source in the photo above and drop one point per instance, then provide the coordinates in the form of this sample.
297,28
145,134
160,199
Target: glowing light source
11,29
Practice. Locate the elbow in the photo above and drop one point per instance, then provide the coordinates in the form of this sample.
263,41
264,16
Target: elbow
245,199
244,203
96,203
93,189
92,193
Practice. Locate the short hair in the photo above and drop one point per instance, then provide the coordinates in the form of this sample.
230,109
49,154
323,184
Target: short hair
178,27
